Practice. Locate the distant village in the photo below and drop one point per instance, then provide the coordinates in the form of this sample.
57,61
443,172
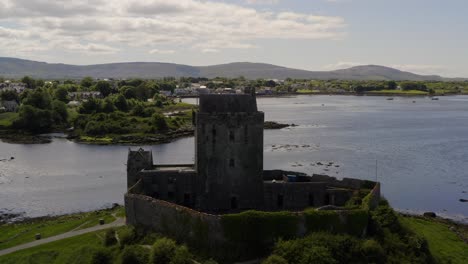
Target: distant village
77,92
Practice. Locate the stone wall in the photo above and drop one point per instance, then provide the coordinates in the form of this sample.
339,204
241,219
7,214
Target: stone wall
178,222
229,160
170,185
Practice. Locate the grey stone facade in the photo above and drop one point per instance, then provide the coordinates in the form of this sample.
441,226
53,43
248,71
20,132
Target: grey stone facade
228,173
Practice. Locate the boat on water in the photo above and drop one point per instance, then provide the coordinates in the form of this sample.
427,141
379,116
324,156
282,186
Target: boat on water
390,98
435,98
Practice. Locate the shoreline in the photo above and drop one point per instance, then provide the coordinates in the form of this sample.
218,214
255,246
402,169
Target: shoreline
18,137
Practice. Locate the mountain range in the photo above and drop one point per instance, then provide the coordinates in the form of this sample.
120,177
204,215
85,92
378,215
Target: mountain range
16,68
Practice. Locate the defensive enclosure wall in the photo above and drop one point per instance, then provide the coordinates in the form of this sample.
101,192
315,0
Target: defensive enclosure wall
247,234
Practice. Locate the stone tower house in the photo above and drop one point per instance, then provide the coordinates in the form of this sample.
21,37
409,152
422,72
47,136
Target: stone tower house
229,153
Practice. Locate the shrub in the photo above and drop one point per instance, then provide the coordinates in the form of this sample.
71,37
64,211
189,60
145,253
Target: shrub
373,251
126,236
317,255
275,259
101,256
109,238
134,254
159,122
181,256
163,251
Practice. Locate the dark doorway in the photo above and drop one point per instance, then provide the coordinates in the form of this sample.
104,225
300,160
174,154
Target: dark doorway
279,201
327,199
311,199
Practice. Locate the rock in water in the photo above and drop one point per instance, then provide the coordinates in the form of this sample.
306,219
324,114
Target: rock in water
430,214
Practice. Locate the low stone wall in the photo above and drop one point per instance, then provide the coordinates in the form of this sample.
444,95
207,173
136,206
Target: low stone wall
181,223
243,235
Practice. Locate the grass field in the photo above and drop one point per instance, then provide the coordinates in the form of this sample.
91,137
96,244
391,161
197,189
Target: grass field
67,251
6,119
444,244
20,233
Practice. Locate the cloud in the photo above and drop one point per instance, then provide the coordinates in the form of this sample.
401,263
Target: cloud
157,51
208,50
421,68
343,65
100,26
261,2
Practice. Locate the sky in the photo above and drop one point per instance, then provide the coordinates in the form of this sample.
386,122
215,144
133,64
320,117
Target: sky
421,36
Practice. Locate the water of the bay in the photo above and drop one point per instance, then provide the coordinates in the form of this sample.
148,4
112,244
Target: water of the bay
417,148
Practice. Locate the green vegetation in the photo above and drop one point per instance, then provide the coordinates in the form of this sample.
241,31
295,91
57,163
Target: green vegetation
136,111
444,244
6,119
390,238
399,92
23,232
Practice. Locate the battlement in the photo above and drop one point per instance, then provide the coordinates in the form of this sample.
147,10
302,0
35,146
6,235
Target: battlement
232,103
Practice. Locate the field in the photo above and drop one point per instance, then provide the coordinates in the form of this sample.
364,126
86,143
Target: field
24,232
71,250
444,244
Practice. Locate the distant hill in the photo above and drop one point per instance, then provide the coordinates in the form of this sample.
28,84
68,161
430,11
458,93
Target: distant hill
14,68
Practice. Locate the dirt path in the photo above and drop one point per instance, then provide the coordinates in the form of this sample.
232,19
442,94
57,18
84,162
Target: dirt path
116,223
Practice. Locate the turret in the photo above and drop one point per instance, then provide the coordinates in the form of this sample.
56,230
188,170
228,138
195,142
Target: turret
137,161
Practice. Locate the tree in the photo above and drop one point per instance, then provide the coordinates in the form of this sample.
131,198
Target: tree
38,98
30,82
91,106
87,82
128,91
104,88
392,85
61,94
60,113
108,106
159,122
121,103
9,96
33,119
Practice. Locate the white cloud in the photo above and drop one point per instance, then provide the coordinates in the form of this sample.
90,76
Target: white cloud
261,2
209,50
342,65
157,51
100,26
421,68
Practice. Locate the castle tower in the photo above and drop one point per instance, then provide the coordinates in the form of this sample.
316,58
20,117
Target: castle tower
137,161
229,153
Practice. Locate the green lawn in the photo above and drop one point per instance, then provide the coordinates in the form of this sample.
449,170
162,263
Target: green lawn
20,233
67,251
307,91
444,244
6,119
399,92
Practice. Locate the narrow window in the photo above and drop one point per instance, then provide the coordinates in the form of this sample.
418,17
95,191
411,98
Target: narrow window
170,195
213,133
327,199
186,199
231,163
246,135
234,202
279,201
311,199
231,136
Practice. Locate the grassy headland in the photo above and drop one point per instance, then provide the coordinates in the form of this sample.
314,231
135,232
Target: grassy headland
391,238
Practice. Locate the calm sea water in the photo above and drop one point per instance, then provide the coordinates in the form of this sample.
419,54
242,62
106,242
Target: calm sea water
419,151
